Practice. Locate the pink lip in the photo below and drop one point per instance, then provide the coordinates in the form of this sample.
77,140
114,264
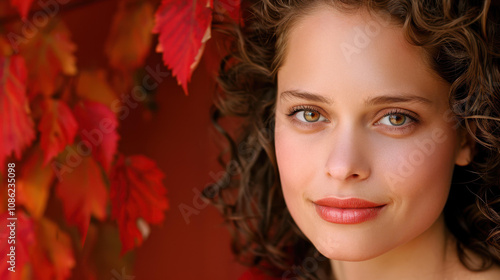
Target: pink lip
347,211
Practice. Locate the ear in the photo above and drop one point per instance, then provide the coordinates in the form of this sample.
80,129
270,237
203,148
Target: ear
467,146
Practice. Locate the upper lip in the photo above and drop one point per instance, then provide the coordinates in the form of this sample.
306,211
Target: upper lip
347,203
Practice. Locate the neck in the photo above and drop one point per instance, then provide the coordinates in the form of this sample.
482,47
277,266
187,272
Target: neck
432,255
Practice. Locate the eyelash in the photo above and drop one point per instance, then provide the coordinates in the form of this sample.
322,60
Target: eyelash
412,116
405,113
301,108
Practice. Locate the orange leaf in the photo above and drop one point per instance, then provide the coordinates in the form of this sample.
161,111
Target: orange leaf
49,54
93,86
57,127
83,193
184,27
24,239
137,194
33,185
52,256
23,6
16,126
5,47
130,37
98,130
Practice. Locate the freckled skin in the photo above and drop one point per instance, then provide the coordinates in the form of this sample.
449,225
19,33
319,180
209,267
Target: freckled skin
355,150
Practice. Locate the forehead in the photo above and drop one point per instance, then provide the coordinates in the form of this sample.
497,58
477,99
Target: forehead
328,49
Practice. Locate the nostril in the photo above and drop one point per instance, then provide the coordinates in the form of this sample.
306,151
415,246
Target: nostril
347,168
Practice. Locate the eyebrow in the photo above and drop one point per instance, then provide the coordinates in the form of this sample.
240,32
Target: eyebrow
383,99
305,95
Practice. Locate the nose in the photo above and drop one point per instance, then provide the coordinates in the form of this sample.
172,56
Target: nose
349,156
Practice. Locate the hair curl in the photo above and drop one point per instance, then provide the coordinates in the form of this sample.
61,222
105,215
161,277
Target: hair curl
461,39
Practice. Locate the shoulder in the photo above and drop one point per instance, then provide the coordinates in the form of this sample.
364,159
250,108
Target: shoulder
255,274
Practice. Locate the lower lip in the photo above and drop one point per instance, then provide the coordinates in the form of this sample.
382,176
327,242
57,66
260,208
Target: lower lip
347,215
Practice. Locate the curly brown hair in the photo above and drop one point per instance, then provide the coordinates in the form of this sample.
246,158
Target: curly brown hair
461,39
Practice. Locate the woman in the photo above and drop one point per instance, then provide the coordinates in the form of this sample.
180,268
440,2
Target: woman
371,145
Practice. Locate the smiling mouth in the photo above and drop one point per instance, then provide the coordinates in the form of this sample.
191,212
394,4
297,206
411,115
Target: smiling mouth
347,211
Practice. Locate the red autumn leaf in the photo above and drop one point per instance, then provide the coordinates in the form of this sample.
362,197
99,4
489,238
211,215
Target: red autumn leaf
33,184
83,193
94,253
137,194
16,126
229,7
24,238
57,127
130,37
98,130
184,27
23,6
49,54
52,255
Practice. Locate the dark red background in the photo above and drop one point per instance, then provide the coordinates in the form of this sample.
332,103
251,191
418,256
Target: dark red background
180,139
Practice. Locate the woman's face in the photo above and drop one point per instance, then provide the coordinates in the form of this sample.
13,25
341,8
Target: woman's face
364,139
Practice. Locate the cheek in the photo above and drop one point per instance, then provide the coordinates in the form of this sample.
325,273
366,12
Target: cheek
296,165
287,159
421,173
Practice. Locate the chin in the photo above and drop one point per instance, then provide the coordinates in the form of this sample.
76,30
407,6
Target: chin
349,257
346,253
